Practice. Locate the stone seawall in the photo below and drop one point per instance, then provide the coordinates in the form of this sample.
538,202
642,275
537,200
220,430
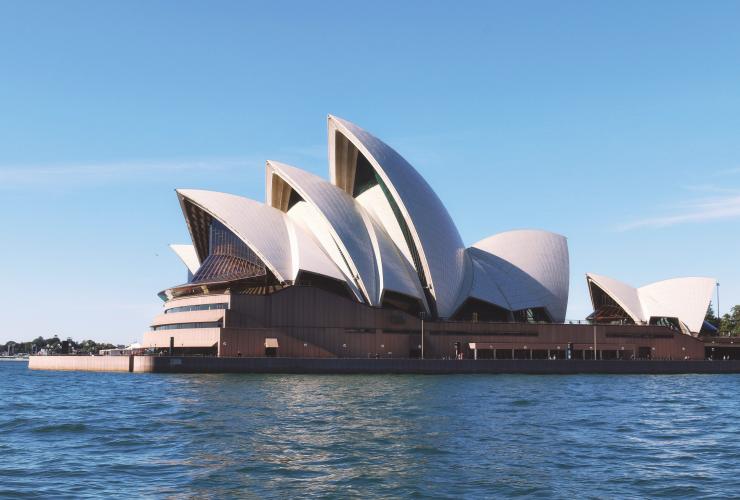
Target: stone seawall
82,363
432,366
177,364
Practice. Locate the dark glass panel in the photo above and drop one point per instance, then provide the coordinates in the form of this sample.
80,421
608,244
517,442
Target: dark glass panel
180,326
229,258
364,176
294,198
196,307
606,310
199,222
401,302
671,323
479,310
532,315
328,284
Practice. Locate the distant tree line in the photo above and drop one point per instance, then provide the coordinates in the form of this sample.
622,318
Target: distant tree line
728,324
53,345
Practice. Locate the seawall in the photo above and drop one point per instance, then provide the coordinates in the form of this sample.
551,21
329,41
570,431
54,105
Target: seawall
177,364
82,363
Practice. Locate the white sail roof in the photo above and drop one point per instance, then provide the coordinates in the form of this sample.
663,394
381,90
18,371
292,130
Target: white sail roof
379,227
188,256
686,299
623,294
347,232
281,245
343,221
432,233
522,269
396,273
484,274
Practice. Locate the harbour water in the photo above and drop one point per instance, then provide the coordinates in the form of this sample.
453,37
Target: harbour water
75,434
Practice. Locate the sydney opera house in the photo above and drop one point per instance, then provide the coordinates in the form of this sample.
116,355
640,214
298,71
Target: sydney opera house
370,264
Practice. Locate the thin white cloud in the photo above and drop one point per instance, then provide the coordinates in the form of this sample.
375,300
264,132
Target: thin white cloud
720,207
18,177
729,171
711,188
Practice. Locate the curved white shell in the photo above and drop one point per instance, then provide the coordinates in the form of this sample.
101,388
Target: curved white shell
523,269
684,298
347,233
435,236
188,256
283,247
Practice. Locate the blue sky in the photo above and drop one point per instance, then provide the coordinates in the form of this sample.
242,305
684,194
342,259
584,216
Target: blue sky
614,123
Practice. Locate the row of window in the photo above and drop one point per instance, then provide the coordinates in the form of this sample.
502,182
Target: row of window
196,307
179,326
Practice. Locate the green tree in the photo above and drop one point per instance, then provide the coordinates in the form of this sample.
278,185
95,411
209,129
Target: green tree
54,345
730,324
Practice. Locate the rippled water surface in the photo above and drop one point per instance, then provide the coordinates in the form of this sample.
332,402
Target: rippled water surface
467,436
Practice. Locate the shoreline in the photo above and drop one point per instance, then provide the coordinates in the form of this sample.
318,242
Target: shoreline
185,364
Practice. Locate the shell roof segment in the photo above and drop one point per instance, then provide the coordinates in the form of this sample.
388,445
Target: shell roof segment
623,294
433,234
379,226
522,269
397,274
366,249
684,298
284,248
188,256
343,220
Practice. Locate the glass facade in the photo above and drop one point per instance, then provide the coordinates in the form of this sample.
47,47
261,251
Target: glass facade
671,323
478,310
199,222
196,307
532,315
606,310
365,176
340,288
229,258
180,326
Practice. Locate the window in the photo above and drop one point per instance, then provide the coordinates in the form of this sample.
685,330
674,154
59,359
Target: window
532,315
180,326
671,323
196,307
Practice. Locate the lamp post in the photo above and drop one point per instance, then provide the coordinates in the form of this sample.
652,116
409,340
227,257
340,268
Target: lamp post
719,316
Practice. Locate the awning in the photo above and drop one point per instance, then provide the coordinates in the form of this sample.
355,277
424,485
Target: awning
271,343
